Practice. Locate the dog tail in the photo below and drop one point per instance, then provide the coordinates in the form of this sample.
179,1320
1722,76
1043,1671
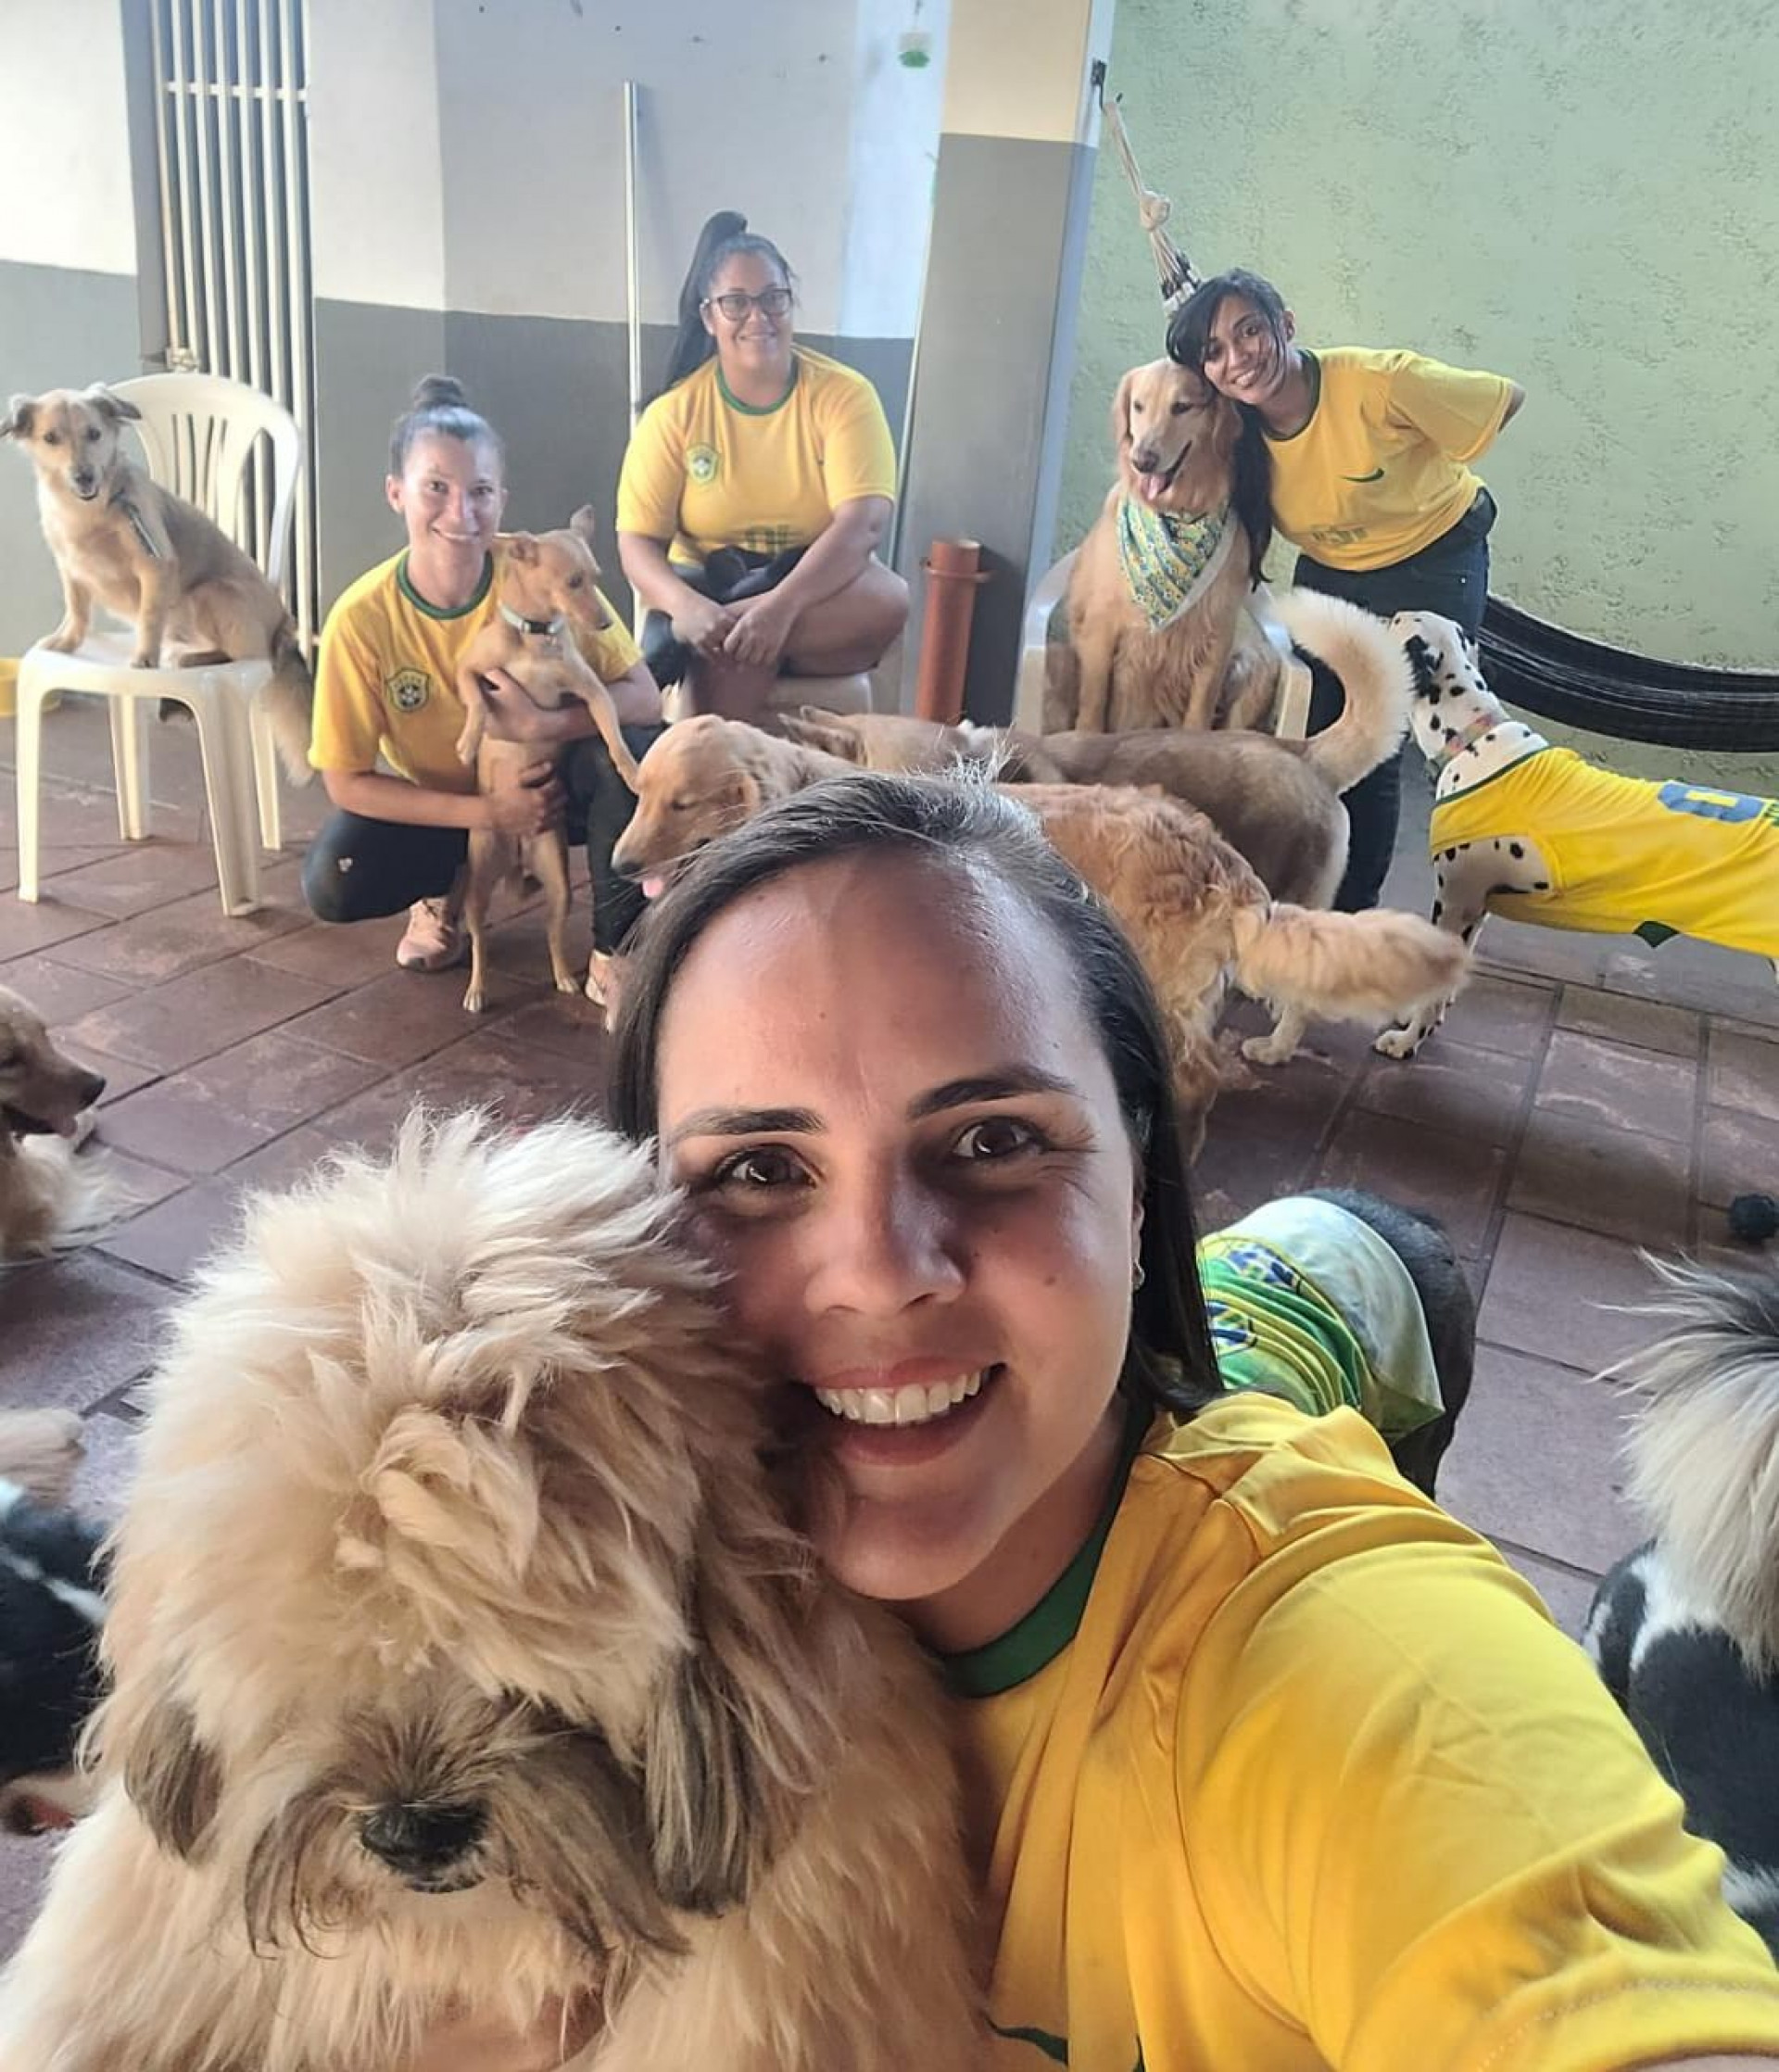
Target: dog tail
290,704
1375,675
1347,966
1704,1445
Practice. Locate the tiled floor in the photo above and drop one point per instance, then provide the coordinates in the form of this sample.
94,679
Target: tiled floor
1587,1098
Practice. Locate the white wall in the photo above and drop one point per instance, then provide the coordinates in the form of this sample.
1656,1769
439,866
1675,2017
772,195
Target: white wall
888,187
65,197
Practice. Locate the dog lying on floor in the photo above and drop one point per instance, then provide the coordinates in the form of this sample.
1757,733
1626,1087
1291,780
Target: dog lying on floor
48,1199
121,540
1338,1297
1277,801
550,587
51,1611
465,1661
1193,910
1685,1630
1533,832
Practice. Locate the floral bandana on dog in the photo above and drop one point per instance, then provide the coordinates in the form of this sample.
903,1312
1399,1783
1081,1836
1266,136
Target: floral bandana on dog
1169,559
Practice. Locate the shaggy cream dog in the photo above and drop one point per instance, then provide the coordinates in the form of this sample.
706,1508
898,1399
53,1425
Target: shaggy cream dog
464,1664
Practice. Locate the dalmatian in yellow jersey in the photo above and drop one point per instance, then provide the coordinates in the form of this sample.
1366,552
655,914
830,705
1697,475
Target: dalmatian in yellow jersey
1522,828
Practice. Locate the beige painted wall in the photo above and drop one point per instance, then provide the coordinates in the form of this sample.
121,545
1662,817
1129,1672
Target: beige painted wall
1583,194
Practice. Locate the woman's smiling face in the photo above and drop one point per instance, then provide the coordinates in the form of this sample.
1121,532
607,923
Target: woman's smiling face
1245,358
900,1135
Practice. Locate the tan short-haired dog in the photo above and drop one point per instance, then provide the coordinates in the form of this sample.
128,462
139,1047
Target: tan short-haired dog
47,1200
121,540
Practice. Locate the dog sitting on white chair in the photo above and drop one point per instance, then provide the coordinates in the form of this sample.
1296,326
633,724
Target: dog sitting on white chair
1531,832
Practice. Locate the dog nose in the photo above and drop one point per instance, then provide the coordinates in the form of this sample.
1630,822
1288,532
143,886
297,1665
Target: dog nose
1146,461
88,1087
415,1840
84,478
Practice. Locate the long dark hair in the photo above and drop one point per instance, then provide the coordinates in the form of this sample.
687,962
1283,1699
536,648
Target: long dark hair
440,404
1189,339
723,237
1169,1362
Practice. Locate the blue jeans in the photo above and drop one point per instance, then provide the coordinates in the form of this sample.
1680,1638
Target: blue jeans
1450,577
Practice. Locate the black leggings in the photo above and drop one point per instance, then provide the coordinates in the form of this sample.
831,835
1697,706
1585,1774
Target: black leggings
1450,577
358,869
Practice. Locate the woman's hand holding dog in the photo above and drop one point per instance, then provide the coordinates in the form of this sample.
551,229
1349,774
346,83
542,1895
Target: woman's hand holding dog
704,625
762,627
529,805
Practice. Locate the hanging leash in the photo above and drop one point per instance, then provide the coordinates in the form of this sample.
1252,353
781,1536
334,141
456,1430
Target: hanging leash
1175,272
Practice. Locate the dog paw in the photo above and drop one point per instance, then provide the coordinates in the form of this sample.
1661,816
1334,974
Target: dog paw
63,642
146,657
475,1000
1398,1043
1263,1050
567,982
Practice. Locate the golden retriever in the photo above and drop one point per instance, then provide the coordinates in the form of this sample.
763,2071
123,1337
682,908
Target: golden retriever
1194,909
47,1200
121,540
549,590
1121,672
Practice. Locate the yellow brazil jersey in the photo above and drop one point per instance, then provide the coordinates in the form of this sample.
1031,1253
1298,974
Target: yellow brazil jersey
1627,855
1294,1772
704,470
1381,469
386,683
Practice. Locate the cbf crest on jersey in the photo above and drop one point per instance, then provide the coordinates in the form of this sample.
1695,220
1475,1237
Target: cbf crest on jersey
701,463
408,690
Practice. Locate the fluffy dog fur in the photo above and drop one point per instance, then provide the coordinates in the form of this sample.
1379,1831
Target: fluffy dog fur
1177,442
1278,802
51,1609
549,585
1194,909
463,1659
48,1199
123,541
1548,840
1685,1631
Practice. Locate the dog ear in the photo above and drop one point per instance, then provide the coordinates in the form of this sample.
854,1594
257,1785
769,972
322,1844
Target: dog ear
522,548
1121,411
174,1782
17,423
109,403
810,733
585,525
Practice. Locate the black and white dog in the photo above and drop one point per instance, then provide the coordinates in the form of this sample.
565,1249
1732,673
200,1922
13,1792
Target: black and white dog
51,1609
1685,1631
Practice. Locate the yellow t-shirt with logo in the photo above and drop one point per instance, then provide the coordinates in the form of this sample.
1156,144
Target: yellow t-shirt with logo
704,470
1381,469
385,680
1294,1772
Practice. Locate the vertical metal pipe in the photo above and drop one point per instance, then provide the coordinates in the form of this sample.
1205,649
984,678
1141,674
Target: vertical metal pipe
177,339
953,576
296,114
632,250
178,80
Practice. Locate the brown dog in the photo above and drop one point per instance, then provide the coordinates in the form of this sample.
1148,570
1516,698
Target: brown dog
123,541
1195,911
46,1201
1134,667
548,590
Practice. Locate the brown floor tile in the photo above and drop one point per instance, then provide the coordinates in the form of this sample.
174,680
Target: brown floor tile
1618,1017
1454,1178
25,927
518,1082
1744,1073
141,876
144,1183
1495,1013
109,1466
1619,1088
51,862
166,942
404,1016
60,992
1517,948
173,1025
121,1075
1738,1155
1537,1461
1449,1086
342,957
83,814
77,1328
1563,1294
566,1023
1603,1178
174,1236
1568,1592
1698,975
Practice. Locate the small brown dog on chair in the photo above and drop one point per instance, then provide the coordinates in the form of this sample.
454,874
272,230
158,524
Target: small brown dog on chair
121,542
548,593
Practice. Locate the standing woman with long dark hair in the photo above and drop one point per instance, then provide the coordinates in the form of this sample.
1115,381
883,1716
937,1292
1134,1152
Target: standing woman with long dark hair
756,493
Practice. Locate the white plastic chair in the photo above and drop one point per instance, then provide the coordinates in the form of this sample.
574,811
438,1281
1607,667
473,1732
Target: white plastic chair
198,432
1290,708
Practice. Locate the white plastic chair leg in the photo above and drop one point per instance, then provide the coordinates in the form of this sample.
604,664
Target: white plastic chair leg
28,749
225,744
130,766
265,778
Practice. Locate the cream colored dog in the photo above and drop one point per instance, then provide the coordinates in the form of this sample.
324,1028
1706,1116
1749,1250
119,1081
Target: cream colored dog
47,1200
464,1664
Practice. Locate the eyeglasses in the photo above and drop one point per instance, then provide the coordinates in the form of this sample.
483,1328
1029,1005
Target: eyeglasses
770,302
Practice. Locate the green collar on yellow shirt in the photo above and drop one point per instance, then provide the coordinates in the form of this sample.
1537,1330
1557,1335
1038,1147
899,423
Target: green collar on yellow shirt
437,611
757,409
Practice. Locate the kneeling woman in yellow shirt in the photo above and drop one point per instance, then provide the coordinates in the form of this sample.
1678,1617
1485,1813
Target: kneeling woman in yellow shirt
756,492
1371,456
1268,1764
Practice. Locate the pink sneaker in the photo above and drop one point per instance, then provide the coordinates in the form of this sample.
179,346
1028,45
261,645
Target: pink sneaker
434,940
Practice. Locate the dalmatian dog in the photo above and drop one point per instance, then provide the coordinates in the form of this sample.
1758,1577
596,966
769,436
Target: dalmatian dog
1530,830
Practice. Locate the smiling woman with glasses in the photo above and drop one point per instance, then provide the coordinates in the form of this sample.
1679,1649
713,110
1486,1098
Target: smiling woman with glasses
755,493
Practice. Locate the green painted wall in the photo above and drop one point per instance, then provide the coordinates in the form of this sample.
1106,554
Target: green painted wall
1581,193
